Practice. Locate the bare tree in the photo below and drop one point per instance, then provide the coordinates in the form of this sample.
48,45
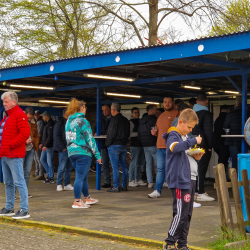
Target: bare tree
41,30
145,17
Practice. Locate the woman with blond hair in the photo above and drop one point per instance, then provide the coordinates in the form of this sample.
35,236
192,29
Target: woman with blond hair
81,146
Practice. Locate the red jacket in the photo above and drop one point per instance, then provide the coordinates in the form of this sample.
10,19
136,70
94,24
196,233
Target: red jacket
16,131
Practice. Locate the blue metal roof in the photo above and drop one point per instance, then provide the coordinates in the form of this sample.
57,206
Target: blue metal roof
202,59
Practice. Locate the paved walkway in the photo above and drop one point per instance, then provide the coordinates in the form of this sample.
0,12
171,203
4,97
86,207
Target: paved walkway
20,237
129,213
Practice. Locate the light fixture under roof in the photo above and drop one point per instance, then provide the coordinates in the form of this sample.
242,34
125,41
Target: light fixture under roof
15,90
231,92
54,101
155,103
29,87
117,78
211,93
191,87
123,95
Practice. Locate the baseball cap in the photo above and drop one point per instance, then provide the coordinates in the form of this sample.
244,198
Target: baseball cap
37,112
46,113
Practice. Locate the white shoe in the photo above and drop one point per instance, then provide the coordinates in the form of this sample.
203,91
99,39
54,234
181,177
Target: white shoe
141,183
155,194
132,184
59,188
196,204
69,187
165,185
204,197
150,185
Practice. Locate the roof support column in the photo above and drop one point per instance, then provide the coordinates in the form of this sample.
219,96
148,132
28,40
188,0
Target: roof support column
244,109
98,132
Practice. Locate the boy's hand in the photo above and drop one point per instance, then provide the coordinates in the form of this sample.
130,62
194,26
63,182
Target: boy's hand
198,139
198,156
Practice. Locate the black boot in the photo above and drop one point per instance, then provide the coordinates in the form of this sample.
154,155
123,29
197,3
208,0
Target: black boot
113,189
124,188
143,176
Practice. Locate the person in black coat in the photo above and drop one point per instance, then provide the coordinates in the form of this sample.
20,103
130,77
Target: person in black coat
105,120
137,152
233,123
205,129
47,148
218,141
148,141
60,145
116,142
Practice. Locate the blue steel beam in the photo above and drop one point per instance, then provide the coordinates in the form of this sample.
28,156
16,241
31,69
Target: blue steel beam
201,47
61,89
218,62
135,100
175,78
69,78
168,88
244,111
140,81
234,84
98,132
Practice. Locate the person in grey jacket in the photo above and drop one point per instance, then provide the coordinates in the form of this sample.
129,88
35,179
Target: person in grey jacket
39,174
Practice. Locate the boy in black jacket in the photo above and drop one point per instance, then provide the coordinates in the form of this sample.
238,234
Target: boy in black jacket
178,177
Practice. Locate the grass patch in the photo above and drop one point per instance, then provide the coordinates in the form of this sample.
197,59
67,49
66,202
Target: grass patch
228,237
62,229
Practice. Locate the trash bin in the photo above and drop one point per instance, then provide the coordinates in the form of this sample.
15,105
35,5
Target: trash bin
243,163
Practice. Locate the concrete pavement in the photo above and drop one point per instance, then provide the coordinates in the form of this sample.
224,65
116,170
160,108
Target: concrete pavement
129,213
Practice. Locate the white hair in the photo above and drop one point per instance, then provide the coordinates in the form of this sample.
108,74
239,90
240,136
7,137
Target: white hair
11,94
116,106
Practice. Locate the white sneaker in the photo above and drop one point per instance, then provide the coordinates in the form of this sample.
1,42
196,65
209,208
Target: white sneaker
141,183
69,187
132,184
204,197
165,185
150,185
196,204
155,194
59,188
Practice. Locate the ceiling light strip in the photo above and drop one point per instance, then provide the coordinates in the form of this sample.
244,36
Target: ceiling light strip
109,77
155,103
30,87
231,92
123,95
191,87
54,101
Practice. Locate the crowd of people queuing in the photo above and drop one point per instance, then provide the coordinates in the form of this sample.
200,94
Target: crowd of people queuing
158,141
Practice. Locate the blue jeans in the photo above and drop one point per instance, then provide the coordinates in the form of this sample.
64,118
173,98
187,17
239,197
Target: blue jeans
160,174
117,154
13,177
136,164
105,165
27,164
47,161
65,167
150,154
234,151
81,164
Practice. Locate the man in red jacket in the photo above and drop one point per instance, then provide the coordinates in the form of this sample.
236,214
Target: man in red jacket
14,131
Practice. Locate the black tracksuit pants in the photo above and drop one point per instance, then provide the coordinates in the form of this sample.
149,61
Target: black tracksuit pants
183,200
